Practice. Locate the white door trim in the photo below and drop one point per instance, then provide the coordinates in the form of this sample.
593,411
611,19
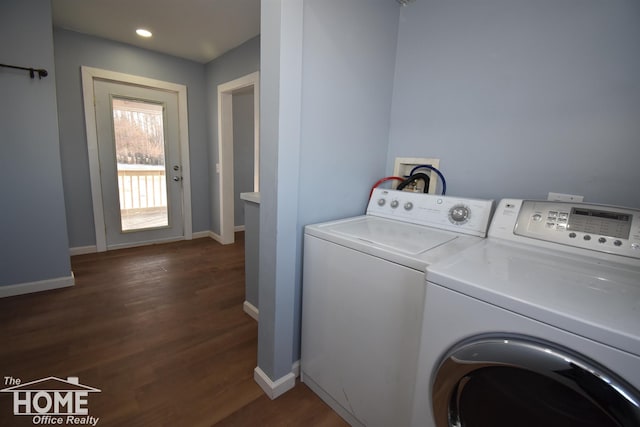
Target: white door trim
224,168
90,74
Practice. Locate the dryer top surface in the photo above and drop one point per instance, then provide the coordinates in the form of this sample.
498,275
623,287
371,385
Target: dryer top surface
595,298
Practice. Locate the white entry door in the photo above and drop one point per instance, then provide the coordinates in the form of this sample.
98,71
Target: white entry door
140,167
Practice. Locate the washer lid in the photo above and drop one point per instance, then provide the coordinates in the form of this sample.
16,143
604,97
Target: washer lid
414,246
402,237
587,296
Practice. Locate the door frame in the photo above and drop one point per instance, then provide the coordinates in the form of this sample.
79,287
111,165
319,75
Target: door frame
89,75
224,167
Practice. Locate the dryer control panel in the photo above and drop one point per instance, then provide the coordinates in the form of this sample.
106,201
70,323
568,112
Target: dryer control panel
468,216
609,229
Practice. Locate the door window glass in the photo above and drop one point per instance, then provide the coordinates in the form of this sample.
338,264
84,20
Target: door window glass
140,156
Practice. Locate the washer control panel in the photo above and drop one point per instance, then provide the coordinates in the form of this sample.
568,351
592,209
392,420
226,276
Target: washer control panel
609,229
469,216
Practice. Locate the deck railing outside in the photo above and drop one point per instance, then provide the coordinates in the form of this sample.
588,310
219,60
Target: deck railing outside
142,186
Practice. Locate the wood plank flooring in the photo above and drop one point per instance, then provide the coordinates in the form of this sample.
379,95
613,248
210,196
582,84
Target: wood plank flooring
160,331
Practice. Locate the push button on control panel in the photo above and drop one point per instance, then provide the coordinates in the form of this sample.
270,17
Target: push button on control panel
555,220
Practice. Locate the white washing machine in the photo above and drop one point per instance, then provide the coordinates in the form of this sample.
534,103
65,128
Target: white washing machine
537,325
363,294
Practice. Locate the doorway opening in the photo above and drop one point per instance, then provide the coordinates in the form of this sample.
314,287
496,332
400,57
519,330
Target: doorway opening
224,167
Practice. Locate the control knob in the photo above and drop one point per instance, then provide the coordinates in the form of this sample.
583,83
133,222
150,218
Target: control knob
459,214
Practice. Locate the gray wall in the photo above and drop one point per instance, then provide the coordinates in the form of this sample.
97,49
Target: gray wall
32,218
280,75
325,106
349,55
243,60
73,50
252,252
243,150
521,98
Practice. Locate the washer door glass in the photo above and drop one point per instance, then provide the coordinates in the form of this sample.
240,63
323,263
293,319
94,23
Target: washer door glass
516,382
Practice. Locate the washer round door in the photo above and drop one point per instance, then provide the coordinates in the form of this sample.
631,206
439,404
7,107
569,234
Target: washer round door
507,381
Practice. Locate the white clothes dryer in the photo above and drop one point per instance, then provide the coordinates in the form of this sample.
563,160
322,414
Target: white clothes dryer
537,325
363,294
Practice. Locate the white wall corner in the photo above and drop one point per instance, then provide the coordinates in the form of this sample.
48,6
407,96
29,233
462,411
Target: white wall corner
274,389
295,368
251,310
201,234
41,285
216,237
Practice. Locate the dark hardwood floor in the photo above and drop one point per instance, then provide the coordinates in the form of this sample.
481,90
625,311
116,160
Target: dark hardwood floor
160,331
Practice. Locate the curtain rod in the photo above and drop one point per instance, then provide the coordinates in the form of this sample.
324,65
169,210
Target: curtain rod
32,71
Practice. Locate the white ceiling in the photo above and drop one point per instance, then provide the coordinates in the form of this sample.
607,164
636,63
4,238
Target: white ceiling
199,30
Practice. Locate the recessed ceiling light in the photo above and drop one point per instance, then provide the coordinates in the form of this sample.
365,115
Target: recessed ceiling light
143,33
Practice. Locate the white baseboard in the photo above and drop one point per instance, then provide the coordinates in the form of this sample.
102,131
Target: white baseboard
200,234
295,368
215,237
274,389
82,250
41,285
145,243
251,310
